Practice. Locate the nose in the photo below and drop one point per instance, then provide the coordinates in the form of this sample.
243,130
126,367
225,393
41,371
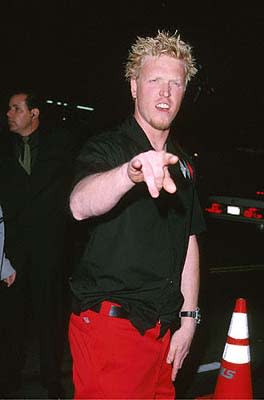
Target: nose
165,90
9,113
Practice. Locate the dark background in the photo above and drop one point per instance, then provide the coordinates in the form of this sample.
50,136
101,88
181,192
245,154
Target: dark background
75,51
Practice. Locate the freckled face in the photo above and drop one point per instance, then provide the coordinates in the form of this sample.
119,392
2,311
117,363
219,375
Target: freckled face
158,91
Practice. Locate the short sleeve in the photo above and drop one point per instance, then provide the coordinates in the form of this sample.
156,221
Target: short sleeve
197,223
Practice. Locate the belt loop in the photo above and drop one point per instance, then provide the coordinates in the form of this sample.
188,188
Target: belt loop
106,307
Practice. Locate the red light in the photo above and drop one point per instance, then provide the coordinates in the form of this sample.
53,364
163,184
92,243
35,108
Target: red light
253,212
260,193
215,208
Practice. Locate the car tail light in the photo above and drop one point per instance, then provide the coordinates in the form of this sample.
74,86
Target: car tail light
215,208
253,212
227,210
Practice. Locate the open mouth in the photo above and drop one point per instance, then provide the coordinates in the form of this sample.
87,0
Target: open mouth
163,106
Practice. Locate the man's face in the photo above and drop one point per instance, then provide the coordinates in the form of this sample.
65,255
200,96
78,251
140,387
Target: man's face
19,115
158,91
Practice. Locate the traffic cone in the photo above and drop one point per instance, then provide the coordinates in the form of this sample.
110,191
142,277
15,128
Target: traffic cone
234,378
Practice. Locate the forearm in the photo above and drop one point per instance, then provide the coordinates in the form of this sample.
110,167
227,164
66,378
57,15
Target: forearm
182,338
99,193
191,276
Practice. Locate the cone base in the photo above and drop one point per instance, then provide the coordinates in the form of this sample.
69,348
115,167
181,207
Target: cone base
233,382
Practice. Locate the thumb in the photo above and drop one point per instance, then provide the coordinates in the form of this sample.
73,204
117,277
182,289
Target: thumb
136,164
170,356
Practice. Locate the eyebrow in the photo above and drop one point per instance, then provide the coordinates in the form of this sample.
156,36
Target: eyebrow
15,105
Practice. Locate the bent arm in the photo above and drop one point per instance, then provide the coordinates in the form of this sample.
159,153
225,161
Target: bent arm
96,194
99,193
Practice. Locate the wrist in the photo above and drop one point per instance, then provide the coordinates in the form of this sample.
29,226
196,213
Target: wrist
126,176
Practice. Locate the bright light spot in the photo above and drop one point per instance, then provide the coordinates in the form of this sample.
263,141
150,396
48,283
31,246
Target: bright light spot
60,103
233,210
85,108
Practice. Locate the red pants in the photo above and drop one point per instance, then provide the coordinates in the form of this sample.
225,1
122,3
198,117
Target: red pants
111,360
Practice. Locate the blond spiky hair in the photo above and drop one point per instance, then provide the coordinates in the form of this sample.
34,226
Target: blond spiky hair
163,43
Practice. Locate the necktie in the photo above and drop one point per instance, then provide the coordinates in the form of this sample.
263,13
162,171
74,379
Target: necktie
26,160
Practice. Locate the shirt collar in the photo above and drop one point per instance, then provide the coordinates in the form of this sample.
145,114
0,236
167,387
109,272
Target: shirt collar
136,133
33,137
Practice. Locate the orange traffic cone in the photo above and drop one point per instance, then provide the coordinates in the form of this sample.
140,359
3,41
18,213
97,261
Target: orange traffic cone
234,379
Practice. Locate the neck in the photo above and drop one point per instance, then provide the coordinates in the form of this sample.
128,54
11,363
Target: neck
34,126
158,144
157,137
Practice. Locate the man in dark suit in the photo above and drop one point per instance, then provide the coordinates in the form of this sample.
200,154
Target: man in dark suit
35,176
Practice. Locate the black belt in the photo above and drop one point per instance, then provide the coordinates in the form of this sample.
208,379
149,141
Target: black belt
111,311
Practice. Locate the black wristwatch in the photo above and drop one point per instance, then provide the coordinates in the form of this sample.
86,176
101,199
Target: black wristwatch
192,314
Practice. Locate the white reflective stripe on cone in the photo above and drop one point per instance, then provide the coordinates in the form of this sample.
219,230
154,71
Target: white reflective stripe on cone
238,327
236,354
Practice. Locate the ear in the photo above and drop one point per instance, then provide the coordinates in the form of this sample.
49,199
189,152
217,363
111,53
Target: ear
35,113
133,88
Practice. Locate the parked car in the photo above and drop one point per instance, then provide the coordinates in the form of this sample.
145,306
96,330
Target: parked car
231,185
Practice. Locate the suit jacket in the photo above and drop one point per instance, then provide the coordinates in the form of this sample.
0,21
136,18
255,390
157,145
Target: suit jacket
36,206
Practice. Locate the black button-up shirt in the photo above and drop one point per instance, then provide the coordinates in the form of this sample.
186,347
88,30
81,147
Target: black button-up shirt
136,251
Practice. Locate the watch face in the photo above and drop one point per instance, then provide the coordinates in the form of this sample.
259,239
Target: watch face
197,315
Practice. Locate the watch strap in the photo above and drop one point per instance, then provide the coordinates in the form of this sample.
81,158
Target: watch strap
192,314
